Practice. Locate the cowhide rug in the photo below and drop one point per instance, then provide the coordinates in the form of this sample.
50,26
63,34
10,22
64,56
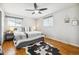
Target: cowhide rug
42,48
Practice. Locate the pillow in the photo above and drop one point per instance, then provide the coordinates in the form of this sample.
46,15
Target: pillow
20,35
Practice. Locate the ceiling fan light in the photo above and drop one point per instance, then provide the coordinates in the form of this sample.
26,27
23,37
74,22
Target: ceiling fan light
36,11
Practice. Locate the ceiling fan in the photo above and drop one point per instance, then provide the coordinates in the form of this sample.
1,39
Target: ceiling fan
36,9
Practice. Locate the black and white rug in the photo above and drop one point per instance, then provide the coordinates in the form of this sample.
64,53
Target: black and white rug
42,48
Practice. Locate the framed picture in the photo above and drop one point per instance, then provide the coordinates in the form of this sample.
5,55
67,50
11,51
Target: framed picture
75,22
67,20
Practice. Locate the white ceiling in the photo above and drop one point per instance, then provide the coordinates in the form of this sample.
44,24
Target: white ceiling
19,8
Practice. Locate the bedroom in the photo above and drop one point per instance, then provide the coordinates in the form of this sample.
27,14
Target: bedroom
49,28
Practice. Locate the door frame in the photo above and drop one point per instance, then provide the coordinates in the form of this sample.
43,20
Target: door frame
2,26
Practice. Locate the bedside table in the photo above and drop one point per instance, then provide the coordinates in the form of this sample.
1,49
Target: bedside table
9,36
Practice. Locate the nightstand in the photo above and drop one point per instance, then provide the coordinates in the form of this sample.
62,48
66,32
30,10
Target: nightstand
8,36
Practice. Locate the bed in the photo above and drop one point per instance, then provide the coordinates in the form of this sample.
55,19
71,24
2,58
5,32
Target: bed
24,39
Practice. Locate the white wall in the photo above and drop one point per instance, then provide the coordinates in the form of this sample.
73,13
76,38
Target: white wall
65,32
28,22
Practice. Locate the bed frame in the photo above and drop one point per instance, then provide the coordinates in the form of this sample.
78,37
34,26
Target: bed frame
29,43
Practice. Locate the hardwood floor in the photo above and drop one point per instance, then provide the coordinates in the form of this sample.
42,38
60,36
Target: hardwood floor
65,49
10,44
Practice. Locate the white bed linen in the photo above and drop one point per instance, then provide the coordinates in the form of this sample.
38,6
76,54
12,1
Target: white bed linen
19,35
33,34
28,39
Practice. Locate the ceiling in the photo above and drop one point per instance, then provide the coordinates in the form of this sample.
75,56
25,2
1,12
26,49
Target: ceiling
19,8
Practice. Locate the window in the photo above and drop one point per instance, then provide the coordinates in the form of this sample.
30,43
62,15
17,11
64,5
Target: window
48,22
13,22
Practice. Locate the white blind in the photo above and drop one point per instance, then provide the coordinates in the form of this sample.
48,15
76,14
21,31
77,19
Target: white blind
48,22
14,22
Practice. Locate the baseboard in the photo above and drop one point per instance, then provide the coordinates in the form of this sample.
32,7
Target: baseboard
72,44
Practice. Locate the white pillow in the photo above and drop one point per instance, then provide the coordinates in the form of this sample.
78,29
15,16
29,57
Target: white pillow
20,35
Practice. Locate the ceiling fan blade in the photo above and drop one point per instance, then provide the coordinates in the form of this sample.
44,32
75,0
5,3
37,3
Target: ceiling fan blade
33,13
39,12
42,9
29,10
35,6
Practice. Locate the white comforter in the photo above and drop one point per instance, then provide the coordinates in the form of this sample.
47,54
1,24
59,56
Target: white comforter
21,36
28,39
33,34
